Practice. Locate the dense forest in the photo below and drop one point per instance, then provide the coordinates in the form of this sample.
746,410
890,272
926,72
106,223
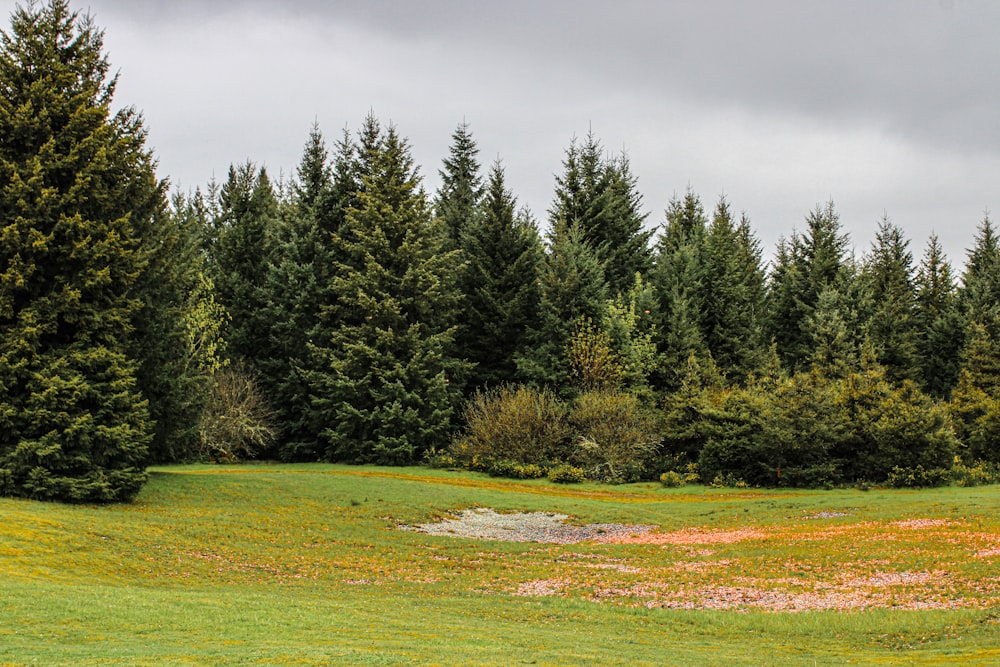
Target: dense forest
347,315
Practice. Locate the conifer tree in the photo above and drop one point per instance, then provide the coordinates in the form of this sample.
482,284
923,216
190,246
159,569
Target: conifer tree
500,282
980,293
733,288
806,264
599,196
889,278
298,287
248,211
382,394
678,278
76,183
461,190
940,322
975,403
573,289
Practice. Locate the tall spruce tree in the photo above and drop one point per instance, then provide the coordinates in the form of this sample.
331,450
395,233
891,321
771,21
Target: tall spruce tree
980,293
76,183
382,394
806,264
888,274
733,288
298,287
678,278
940,322
500,282
457,200
573,290
599,196
248,214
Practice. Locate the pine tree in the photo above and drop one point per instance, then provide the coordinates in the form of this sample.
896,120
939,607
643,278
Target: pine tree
600,197
889,277
572,289
733,287
980,293
76,183
500,283
383,394
461,190
940,322
975,403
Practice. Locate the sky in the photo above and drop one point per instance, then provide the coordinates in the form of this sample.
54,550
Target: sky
885,107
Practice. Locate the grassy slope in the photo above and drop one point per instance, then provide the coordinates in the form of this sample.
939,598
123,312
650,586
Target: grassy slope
301,565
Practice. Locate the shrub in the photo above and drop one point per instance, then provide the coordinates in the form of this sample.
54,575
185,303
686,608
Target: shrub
514,470
617,438
672,479
566,474
512,423
237,422
977,474
900,477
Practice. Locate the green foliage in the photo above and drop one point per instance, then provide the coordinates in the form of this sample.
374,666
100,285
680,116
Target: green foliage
978,473
237,422
893,327
593,365
890,425
975,402
599,197
566,474
572,288
617,438
672,479
500,284
918,477
733,295
941,325
806,265
76,186
630,324
458,198
381,390
513,423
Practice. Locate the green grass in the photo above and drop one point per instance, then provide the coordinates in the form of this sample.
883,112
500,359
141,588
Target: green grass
303,565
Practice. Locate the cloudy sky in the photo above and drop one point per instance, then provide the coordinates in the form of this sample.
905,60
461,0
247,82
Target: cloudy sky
883,106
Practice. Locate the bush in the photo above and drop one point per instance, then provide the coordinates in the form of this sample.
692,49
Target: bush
566,474
514,470
617,438
512,423
672,479
900,477
978,474
237,422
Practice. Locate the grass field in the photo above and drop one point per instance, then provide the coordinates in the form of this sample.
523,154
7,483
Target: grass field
304,565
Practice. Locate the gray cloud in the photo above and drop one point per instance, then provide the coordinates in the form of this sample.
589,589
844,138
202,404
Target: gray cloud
882,106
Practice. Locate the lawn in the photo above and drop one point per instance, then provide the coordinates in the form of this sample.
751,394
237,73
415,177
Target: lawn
306,565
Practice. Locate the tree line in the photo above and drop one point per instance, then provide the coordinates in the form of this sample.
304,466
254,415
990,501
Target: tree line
347,315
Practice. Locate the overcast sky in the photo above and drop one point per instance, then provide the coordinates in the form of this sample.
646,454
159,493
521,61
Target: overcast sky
882,106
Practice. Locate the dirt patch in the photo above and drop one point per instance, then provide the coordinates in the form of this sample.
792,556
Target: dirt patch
546,527
690,536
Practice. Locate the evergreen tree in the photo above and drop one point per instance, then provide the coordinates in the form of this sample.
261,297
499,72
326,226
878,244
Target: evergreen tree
980,293
461,190
893,326
383,394
599,196
678,278
940,323
178,329
76,183
298,287
572,289
806,264
975,403
248,211
733,288
500,283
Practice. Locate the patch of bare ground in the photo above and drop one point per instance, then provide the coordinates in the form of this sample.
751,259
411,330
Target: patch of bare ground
546,527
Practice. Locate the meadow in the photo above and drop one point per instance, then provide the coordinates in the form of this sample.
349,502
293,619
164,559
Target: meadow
307,565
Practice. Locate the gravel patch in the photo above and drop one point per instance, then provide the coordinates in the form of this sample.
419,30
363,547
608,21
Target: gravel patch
546,527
